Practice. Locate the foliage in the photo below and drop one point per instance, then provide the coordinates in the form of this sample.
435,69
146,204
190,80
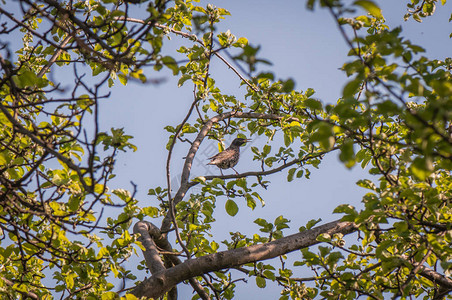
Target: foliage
55,164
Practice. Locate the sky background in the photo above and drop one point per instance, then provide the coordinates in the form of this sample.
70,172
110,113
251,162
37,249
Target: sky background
302,45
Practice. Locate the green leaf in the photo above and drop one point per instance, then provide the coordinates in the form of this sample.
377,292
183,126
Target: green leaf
171,63
288,86
151,211
27,79
281,220
313,104
370,6
388,107
241,42
261,222
250,202
270,275
291,174
124,195
347,154
421,167
182,79
261,282
4,158
312,223
231,207
351,88
74,203
122,78
344,208
109,296
324,135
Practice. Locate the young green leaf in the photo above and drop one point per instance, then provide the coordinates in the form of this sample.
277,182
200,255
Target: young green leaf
231,207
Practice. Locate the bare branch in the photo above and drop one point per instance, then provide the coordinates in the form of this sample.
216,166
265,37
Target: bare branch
55,56
151,255
151,237
160,283
29,294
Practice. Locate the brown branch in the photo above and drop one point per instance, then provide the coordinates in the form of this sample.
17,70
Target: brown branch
159,283
267,172
55,56
435,277
150,252
30,295
168,177
416,269
417,9
151,237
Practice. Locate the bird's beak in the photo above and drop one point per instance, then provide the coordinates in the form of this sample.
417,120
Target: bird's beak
248,140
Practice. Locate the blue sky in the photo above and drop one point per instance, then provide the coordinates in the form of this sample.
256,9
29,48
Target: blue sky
302,45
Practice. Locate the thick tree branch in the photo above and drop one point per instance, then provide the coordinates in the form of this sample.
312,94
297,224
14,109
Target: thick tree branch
150,237
27,295
163,281
151,254
436,277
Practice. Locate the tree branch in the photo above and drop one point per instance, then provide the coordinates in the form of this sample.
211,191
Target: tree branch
55,56
435,277
151,254
152,237
161,282
27,295
267,172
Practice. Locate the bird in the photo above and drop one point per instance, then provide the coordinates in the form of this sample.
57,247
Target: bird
229,157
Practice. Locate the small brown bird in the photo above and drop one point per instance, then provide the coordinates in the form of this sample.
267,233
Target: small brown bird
229,157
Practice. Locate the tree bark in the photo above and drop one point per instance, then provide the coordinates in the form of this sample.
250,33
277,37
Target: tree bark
163,281
151,239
